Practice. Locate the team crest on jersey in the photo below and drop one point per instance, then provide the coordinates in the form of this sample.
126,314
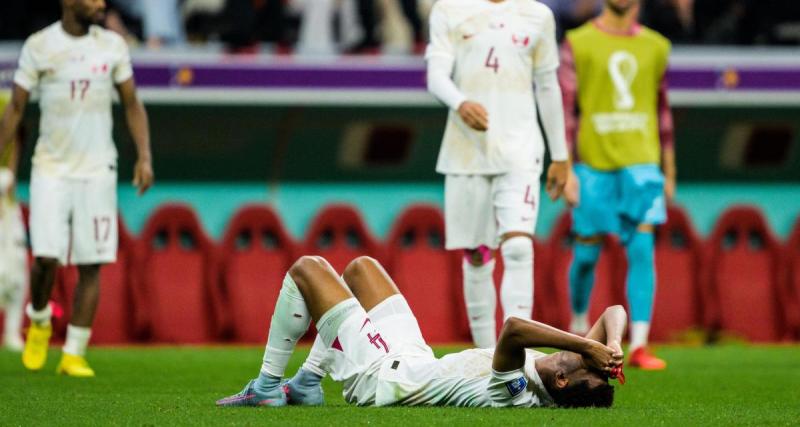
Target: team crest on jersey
517,386
521,40
100,69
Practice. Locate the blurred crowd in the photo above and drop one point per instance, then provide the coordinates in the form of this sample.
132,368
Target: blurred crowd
393,26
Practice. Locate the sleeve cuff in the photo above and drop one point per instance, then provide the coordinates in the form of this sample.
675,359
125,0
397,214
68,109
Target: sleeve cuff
123,77
546,69
23,82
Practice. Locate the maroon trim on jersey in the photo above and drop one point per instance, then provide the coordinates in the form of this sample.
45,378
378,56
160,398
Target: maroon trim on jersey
568,79
666,127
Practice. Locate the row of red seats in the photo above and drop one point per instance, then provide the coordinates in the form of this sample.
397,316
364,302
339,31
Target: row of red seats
173,284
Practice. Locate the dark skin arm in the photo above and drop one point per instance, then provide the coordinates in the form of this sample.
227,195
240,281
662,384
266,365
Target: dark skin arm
136,117
610,328
519,334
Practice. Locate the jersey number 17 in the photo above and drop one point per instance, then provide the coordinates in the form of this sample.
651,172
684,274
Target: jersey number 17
79,88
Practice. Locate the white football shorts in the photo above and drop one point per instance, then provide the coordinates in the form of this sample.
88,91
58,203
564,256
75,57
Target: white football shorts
74,220
479,209
366,340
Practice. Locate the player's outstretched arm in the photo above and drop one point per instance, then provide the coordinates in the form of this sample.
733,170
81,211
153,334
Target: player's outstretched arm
136,116
610,328
9,126
519,334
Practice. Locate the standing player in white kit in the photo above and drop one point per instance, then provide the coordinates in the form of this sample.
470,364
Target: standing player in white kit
484,59
75,65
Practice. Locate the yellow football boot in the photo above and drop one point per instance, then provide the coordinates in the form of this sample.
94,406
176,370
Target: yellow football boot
74,366
35,353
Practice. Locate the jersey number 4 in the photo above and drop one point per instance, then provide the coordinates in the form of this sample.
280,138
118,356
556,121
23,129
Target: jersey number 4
492,61
78,89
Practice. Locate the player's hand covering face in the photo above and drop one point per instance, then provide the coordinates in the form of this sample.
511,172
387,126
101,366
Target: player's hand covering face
601,357
474,115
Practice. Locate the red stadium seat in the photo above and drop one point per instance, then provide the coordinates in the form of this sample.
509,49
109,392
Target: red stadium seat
426,274
678,300
339,234
609,287
178,277
793,282
256,252
745,279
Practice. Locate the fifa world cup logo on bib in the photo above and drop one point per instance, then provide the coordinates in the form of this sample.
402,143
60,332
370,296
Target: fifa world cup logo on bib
623,68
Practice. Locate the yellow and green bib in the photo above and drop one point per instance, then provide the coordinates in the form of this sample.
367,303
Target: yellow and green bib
618,81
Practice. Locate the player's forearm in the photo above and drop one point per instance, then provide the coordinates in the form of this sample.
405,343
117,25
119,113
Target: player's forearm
548,96
441,85
614,321
519,334
138,125
668,165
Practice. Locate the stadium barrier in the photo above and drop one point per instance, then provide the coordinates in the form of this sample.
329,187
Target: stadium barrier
173,284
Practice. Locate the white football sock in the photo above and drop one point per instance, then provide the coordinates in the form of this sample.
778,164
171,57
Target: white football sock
579,324
289,323
315,359
481,299
77,340
639,333
14,308
516,290
40,317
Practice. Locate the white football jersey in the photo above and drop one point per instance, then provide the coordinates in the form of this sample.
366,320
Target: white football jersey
76,77
462,379
496,49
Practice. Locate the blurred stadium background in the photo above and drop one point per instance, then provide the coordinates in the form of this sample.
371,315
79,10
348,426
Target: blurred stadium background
289,127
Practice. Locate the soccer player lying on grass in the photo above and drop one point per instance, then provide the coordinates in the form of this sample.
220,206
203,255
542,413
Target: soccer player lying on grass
371,342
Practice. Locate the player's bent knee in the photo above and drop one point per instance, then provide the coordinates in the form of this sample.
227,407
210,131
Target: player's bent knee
518,249
306,266
358,267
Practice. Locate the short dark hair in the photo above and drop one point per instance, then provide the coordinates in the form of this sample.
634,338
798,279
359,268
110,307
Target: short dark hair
582,394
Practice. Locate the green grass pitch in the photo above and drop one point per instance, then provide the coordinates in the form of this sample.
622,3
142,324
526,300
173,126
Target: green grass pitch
726,385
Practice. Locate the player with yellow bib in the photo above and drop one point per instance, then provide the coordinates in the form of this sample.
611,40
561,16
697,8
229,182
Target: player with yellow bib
618,120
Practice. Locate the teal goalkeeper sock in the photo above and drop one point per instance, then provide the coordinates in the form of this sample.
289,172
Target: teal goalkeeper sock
641,280
581,275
